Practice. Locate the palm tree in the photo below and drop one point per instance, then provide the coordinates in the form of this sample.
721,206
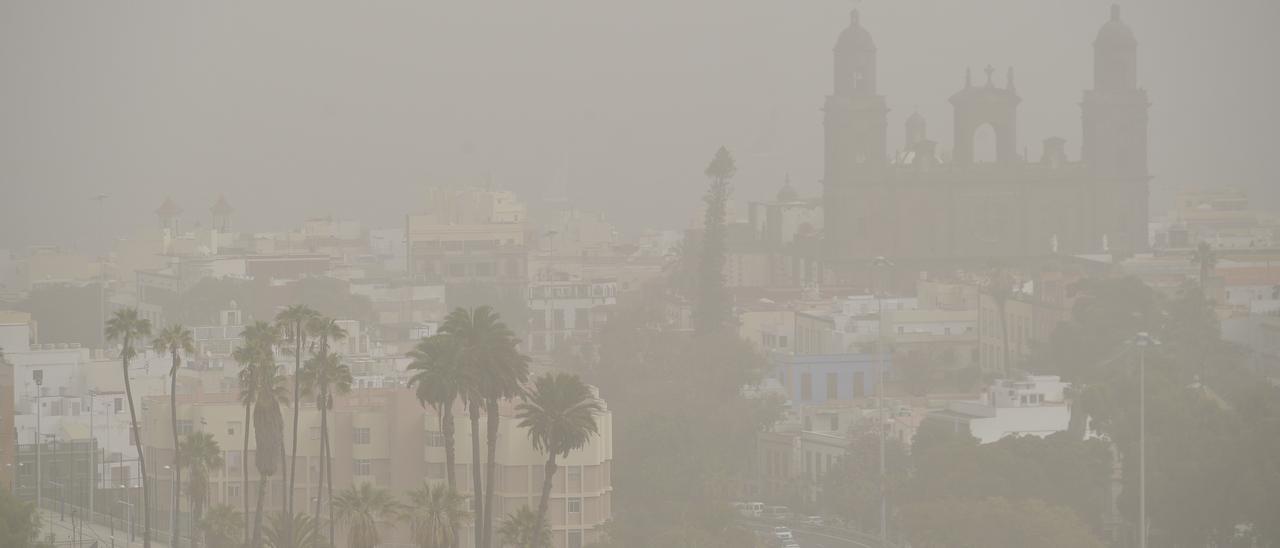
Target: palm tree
200,453
361,509
325,329
257,352
174,340
322,377
560,415
303,531
524,529
128,328
488,349
436,513
221,527
1206,258
268,431
439,382
292,322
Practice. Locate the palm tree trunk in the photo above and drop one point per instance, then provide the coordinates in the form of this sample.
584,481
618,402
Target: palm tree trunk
244,468
177,470
447,429
548,476
1004,335
257,515
137,439
491,416
297,389
328,455
284,486
324,436
477,490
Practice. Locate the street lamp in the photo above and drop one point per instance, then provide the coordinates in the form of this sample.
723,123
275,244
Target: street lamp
880,263
173,498
1142,340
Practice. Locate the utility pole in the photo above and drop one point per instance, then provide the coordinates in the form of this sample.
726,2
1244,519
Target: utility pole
38,376
878,264
93,453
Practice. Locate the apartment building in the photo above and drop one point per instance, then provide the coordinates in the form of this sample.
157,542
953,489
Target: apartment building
383,436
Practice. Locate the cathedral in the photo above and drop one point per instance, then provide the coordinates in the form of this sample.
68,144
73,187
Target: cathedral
922,210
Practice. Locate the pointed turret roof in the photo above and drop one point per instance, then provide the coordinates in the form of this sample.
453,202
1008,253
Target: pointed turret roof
221,207
168,208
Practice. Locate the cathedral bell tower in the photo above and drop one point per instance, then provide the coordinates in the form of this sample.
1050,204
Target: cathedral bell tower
855,122
1115,138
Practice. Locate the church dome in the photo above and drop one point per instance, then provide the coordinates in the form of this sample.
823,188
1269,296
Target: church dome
1115,33
855,38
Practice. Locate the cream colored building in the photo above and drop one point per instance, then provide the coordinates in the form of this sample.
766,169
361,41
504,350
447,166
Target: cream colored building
385,437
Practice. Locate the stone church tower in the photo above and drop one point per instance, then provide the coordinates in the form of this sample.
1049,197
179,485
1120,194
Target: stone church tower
924,213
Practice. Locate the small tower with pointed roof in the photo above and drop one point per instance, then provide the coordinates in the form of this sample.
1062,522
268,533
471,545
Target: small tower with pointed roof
167,214
221,211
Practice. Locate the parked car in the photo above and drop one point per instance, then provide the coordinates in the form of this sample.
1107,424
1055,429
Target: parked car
812,521
782,533
776,512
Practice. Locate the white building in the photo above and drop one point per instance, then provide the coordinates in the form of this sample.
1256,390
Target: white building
1035,406
564,310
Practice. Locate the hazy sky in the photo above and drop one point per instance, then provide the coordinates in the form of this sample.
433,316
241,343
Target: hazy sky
296,109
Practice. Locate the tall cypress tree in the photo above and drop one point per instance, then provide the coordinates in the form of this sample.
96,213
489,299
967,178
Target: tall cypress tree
711,307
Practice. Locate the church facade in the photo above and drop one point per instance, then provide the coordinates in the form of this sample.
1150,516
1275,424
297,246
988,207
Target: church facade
917,208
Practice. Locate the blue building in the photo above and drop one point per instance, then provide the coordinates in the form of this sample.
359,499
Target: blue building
818,378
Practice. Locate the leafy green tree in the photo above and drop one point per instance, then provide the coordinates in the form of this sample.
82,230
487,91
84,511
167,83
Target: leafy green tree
436,515
364,509
560,416
524,529
174,340
994,523
712,310
130,329
439,380
19,522
293,322
200,453
324,376
488,349
221,527
851,488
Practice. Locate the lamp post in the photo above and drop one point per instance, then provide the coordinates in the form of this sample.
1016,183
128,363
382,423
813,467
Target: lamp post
93,453
173,498
1142,340
38,376
129,506
880,263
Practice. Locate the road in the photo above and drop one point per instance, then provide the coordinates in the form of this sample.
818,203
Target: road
817,539
60,526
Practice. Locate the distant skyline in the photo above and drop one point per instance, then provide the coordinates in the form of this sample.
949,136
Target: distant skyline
300,109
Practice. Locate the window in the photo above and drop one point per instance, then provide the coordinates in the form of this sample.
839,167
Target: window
575,505
557,319
575,539
233,460
574,473
314,432
581,319
233,427
119,405
435,439
457,269
233,491
361,436
833,386
184,427
484,269
859,384
835,427
806,386
361,467
782,341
